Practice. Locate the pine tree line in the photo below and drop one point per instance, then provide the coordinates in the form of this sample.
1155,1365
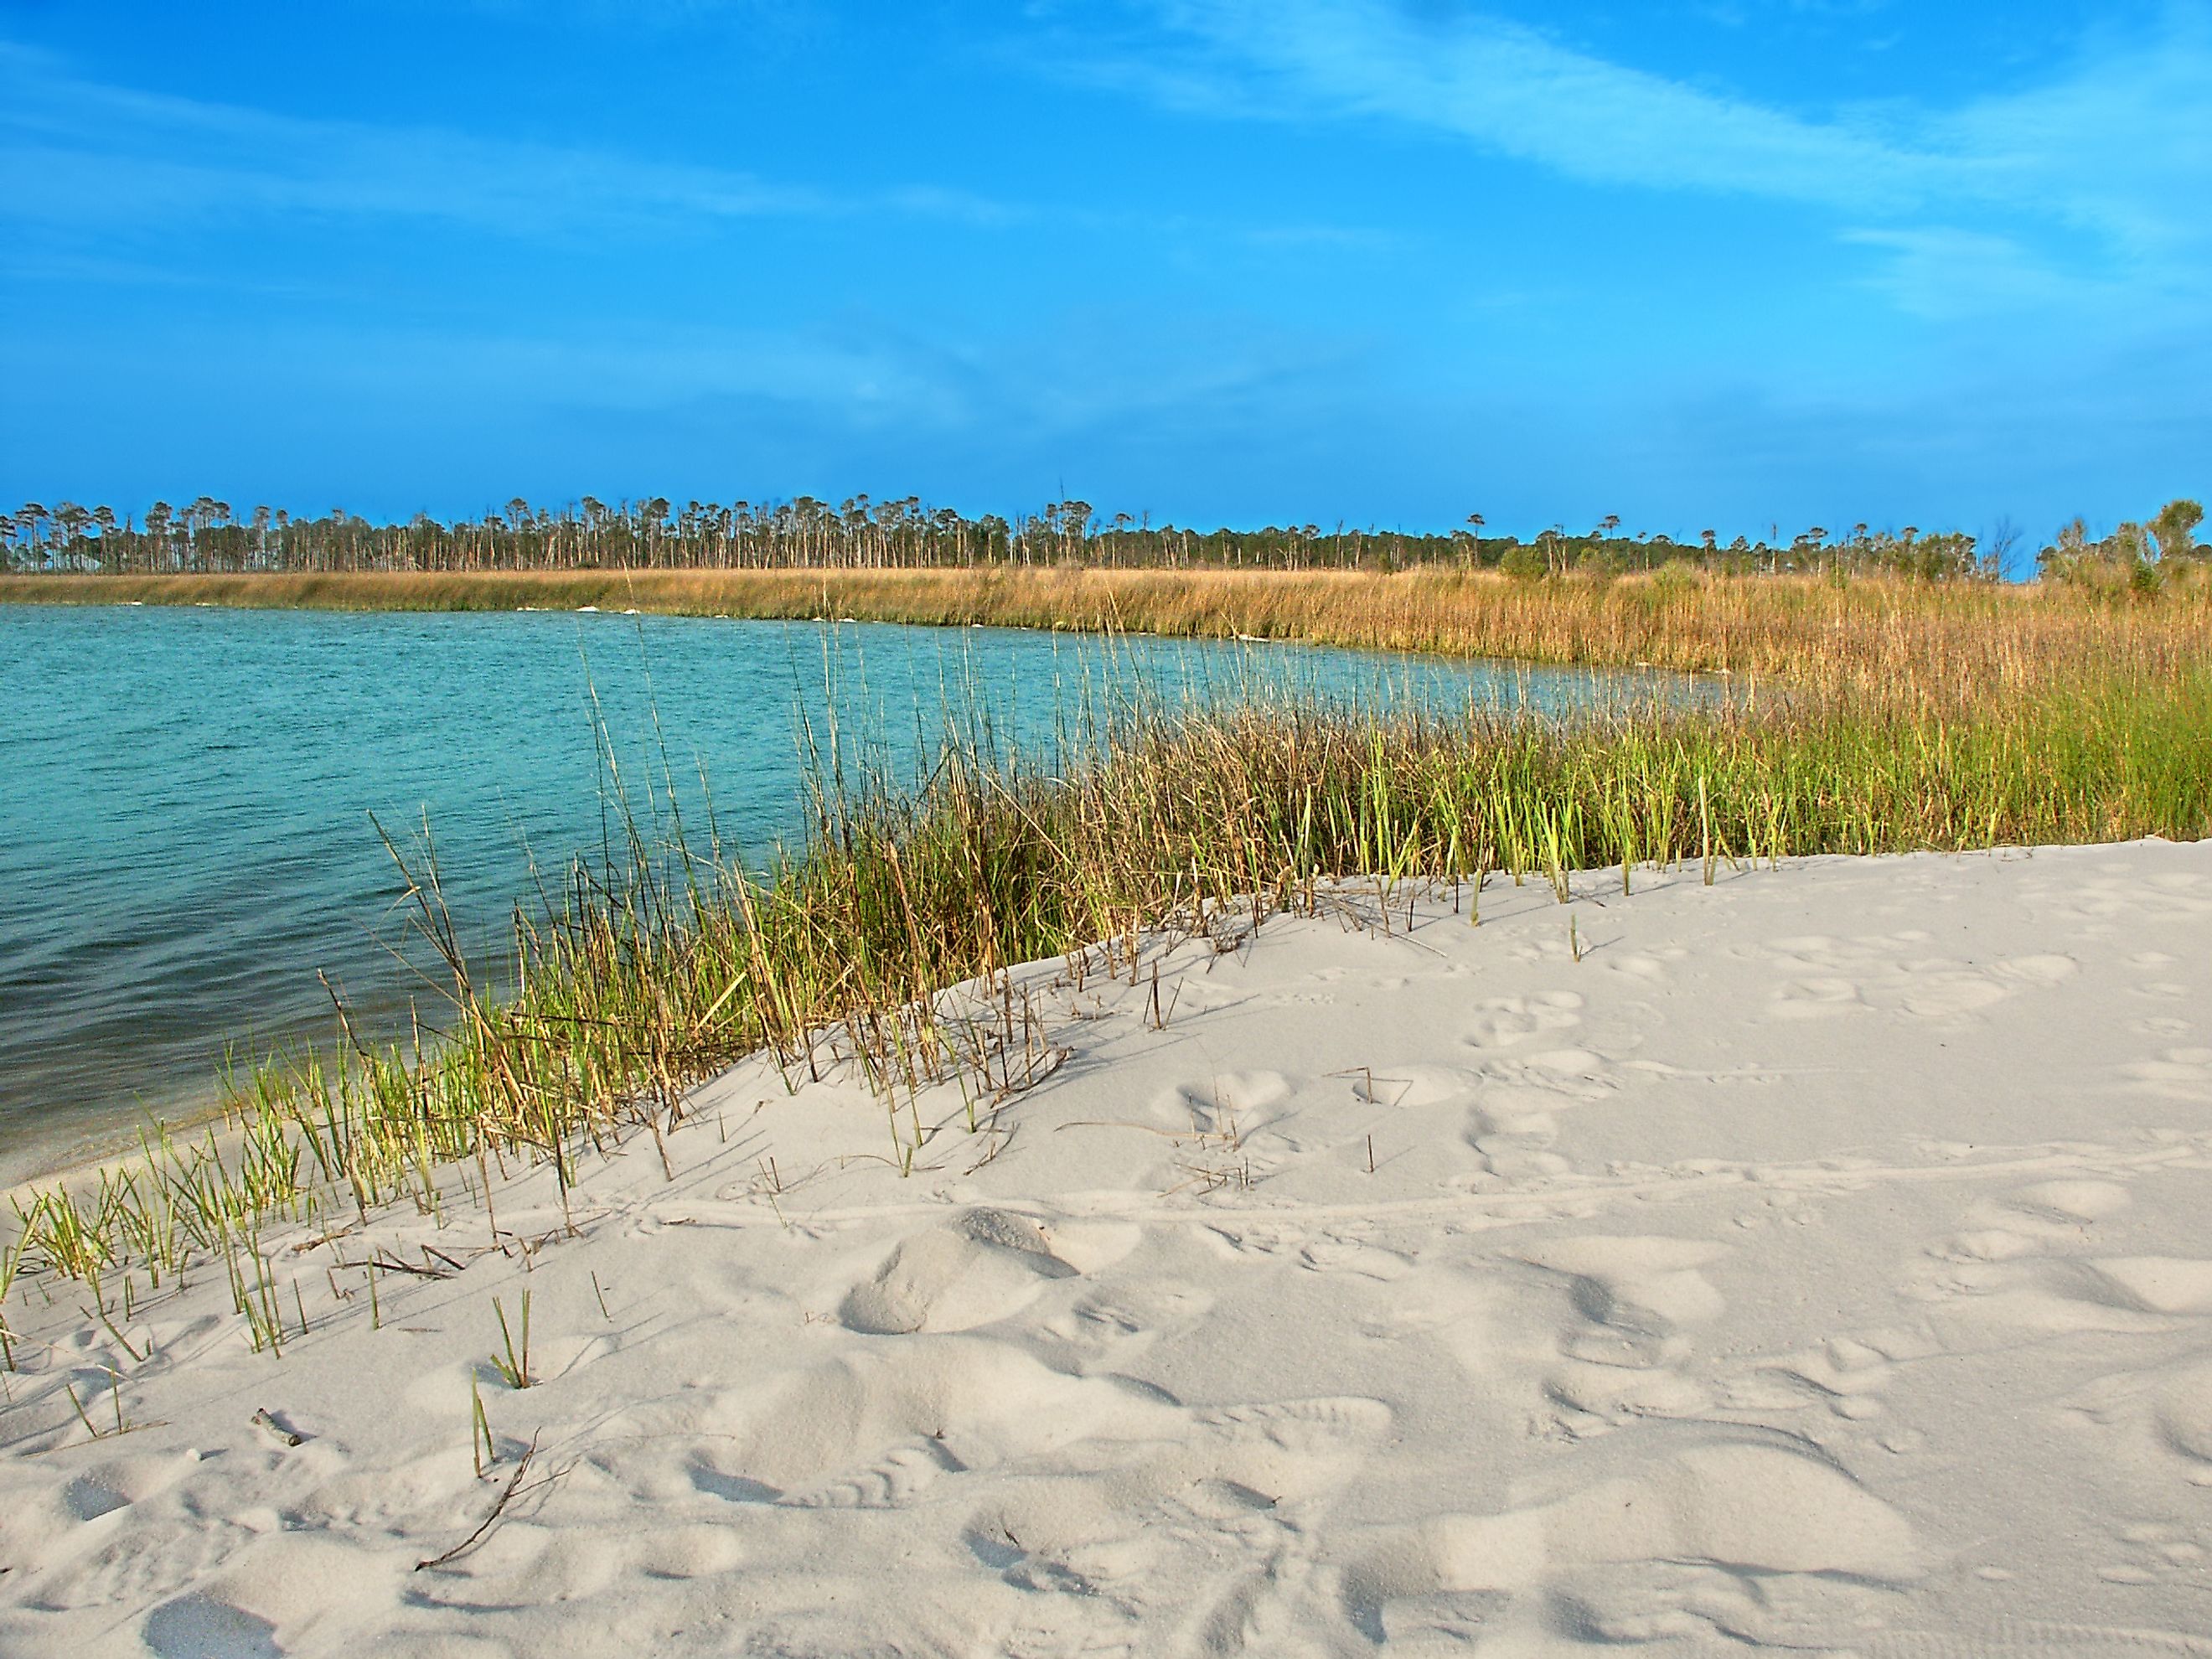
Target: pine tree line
206,535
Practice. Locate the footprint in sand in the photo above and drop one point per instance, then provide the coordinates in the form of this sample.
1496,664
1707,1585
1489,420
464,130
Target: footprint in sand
1944,990
1405,1087
1650,967
1501,1022
2067,1205
197,1626
2149,1552
2029,1219
1512,1123
1513,1130
2179,1074
1817,997
1637,1284
1115,1326
1233,1104
2156,1284
1824,977
1099,1489
1635,1297
873,1429
2171,1407
1213,1518
2161,897
119,1557
89,1499
980,1267
698,1550
2024,1259
1663,1549
2161,1026
2184,1416
1349,1249
1844,1374
2163,990
106,1488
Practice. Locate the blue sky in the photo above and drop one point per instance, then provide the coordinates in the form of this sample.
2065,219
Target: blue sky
1712,262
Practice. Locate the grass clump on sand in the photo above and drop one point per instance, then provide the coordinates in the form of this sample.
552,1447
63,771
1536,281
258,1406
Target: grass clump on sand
632,989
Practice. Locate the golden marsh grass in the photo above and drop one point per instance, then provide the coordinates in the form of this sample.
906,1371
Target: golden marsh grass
1872,635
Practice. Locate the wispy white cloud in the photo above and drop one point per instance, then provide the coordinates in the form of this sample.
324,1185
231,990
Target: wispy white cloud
2114,148
74,151
79,154
1517,92
1942,273
2120,143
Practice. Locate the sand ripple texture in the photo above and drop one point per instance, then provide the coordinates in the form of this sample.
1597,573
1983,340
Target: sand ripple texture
1821,1263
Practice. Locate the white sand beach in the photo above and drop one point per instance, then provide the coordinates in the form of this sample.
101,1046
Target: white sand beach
1821,1263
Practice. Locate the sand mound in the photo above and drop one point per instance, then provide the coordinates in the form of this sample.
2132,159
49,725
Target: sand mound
1820,1263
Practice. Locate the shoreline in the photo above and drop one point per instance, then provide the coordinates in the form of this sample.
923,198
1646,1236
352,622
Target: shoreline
75,1168
1873,632
1839,1227
648,988
55,1126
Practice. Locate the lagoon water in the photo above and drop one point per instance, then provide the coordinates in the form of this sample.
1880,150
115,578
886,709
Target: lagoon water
186,846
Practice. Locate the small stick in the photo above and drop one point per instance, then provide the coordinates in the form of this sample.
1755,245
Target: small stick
72,1389
392,1265
483,1174
137,1358
476,1537
1371,1154
263,1419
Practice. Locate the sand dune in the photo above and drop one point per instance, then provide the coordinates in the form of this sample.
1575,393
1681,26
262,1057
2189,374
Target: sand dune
1821,1263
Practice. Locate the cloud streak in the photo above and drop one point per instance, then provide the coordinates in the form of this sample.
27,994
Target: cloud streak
101,162
2117,145
74,152
1516,92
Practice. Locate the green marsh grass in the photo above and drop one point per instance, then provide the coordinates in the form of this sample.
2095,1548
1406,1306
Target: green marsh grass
513,1361
638,980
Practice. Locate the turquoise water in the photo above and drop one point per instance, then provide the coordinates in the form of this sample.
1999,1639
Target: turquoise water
185,795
